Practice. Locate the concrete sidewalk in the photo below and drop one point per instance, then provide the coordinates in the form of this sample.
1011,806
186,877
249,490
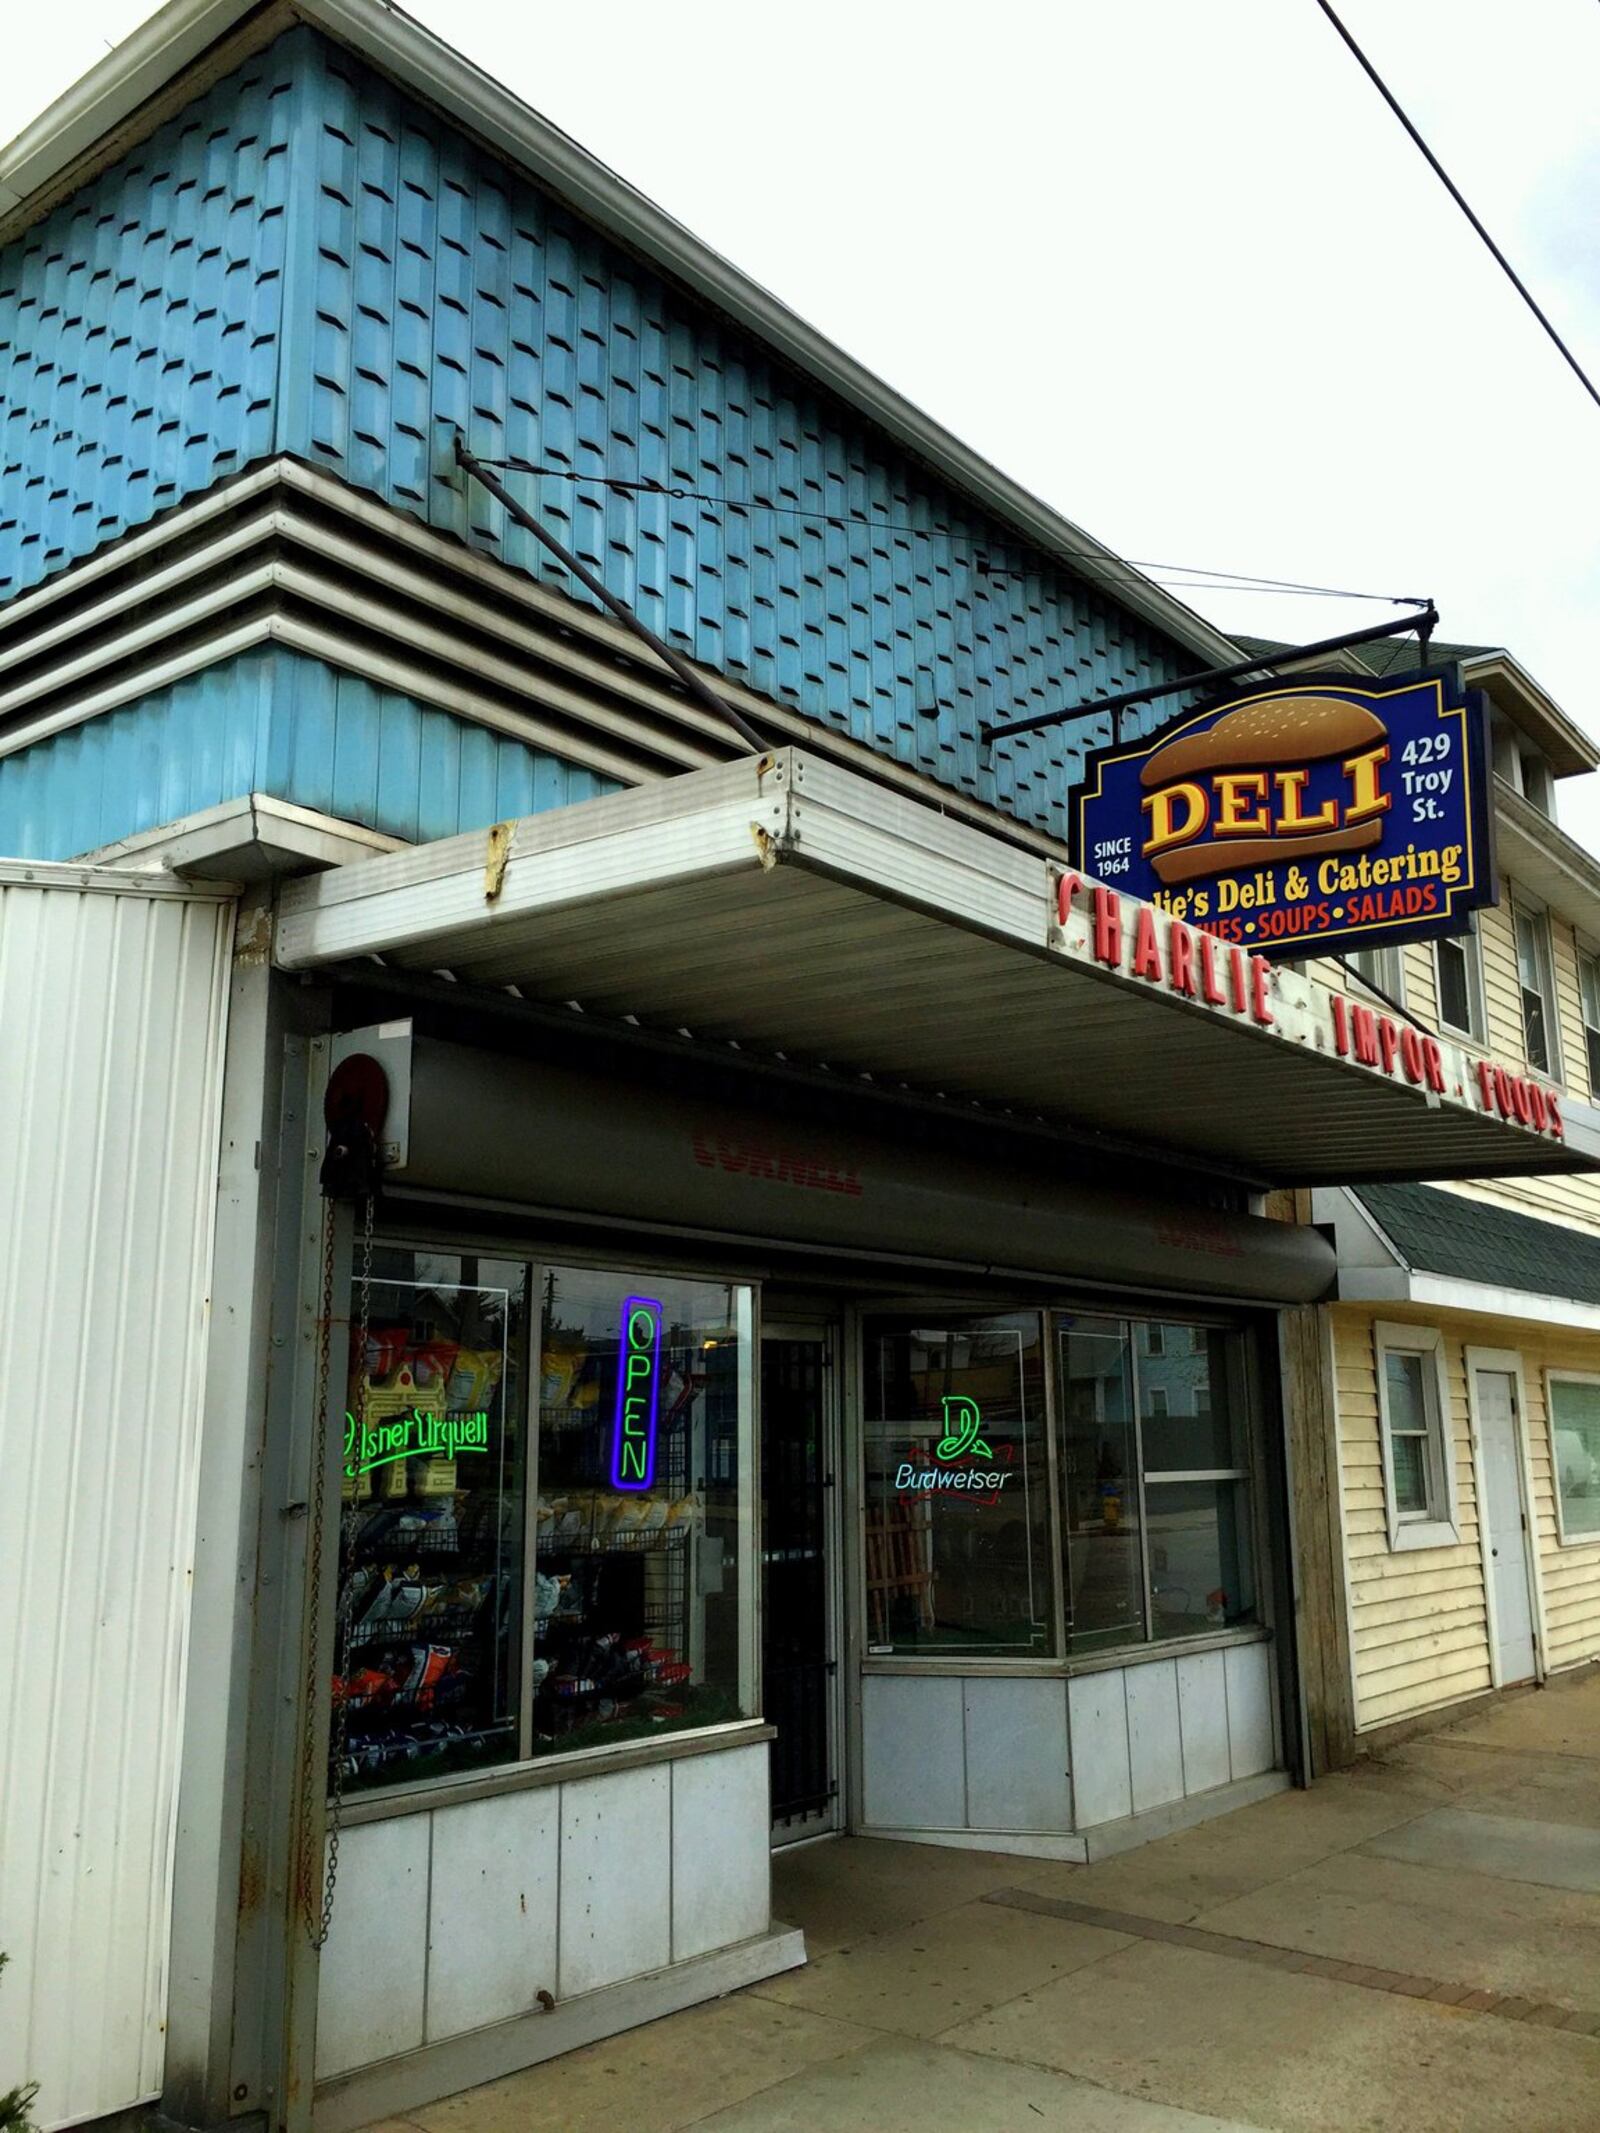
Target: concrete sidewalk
1413,1944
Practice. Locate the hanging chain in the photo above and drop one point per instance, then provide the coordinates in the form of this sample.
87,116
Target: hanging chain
319,1923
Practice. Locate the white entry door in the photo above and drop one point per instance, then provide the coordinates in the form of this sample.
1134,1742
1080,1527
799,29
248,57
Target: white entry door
1505,1527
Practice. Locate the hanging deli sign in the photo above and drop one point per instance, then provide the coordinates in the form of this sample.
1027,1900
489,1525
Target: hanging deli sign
1091,924
1301,819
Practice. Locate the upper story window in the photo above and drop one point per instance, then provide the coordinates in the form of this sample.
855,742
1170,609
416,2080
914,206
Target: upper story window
1537,987
1537,783
1589,995
1459,970
1379,968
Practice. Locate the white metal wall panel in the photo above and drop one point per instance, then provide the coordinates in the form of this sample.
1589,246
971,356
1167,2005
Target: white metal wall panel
451,1919
112,1010
1016,1754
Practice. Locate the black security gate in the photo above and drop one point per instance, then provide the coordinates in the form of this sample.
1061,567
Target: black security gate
797,1659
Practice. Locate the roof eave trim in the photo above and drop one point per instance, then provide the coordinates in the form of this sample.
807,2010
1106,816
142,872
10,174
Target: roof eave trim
111,92
1578,753
423,63
1446,1292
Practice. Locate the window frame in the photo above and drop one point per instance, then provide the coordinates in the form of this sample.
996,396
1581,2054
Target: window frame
1589,959
1247,1475
1388,980
1553,1376
1439,1525
1538,917
1471,943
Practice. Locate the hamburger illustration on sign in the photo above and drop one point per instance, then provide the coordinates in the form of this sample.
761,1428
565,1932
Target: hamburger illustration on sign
1303,816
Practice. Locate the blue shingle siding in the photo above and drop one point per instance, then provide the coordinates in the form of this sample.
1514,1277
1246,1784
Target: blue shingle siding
140,326
306,262
447,295
278,722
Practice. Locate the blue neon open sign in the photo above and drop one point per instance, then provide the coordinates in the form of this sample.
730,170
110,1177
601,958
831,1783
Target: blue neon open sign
633,1438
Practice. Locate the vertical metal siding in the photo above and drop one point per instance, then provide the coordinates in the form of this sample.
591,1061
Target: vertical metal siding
111,1039
277,722
139,327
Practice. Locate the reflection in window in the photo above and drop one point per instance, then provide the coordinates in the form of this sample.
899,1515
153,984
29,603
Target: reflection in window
1575,1445
431,1534
644,1407
1456,966
957,1501
1105,1560
1156,1481
1406,1384
1589,1002
1532,930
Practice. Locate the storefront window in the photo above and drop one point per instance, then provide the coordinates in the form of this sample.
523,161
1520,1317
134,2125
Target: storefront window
475,1627
1105,1548
644,1436
957,1494
431,1534
1156,1478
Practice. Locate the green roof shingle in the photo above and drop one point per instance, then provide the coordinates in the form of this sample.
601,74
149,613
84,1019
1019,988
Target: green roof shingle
1444,1233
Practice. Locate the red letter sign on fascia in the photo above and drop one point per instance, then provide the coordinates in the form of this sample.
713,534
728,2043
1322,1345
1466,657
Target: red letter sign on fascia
1066,889
1108,928
1180,952
1146,947
1260,998
1210,990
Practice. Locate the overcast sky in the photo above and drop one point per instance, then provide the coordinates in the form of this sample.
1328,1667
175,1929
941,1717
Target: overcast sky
1171,263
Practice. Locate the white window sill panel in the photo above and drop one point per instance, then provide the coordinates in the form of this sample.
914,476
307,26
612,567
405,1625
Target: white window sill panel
1425,1533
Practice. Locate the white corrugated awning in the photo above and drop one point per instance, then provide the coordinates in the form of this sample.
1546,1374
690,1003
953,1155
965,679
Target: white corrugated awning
801,909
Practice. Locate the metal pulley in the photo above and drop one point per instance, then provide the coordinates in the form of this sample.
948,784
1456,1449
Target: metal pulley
354,1110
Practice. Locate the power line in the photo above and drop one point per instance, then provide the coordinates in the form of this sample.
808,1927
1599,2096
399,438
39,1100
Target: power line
1198,577
1456,195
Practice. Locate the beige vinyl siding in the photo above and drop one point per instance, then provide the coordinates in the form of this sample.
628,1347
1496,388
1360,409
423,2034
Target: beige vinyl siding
1418,1624
1421,994
1565,1199
1562,1199
1502,995
1418,1630
1573,1200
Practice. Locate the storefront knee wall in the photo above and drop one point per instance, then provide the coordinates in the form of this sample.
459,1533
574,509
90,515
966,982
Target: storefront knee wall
481,1935
1077,1759
1066,1766
1419,1618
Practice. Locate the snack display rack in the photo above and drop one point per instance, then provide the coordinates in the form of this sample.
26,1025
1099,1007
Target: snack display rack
425,1589
612,1587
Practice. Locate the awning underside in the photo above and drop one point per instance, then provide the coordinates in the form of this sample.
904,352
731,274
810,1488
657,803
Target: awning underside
802,911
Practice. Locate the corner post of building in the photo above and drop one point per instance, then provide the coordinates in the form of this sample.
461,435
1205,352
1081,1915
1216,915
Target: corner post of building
1322,1630
213,1875
279,1927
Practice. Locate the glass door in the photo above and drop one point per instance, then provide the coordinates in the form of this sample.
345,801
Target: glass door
800,1605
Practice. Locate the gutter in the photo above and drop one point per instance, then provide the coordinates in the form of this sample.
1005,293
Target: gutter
1446,1292
412,56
